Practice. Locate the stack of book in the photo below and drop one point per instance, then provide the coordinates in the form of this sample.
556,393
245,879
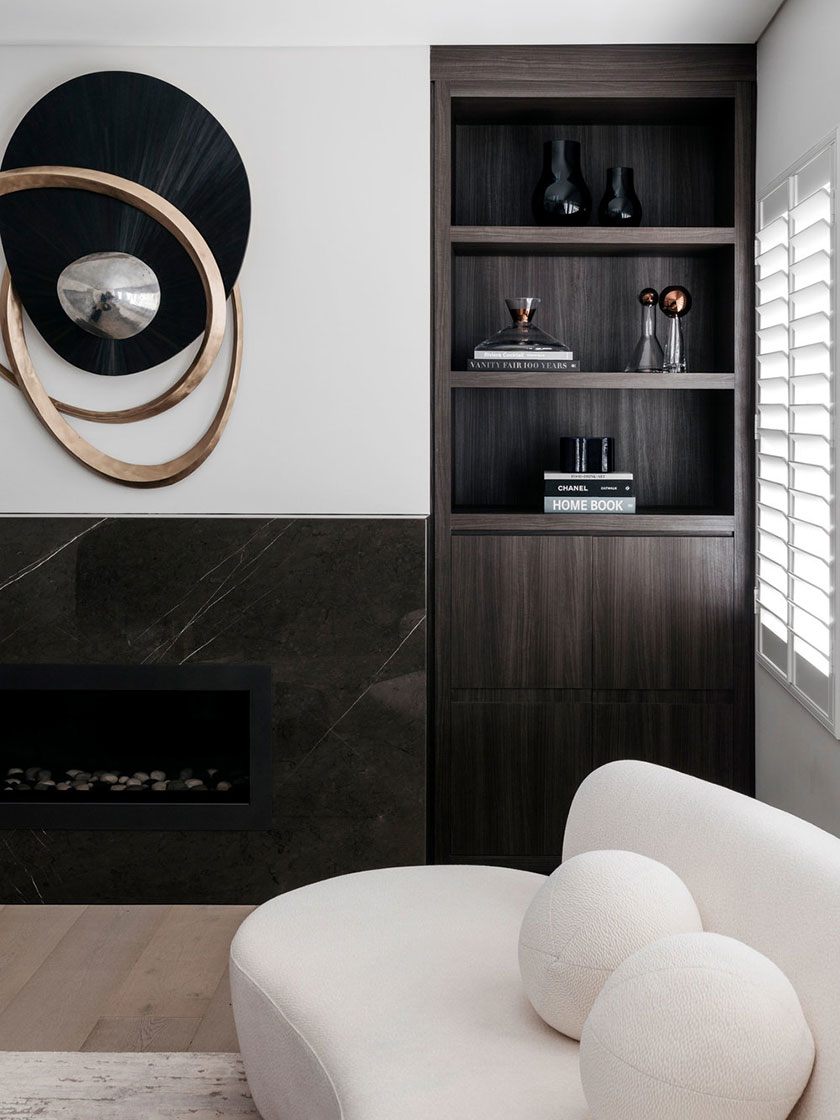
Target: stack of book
565,492
518,360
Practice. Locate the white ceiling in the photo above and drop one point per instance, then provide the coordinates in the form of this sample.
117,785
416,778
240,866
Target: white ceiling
379,22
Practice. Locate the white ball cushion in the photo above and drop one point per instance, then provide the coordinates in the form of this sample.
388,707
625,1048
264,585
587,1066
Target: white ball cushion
700,1027
592,913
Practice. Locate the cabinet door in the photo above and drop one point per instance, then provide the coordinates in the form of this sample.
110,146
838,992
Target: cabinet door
513,770
696,738
663,613
521,612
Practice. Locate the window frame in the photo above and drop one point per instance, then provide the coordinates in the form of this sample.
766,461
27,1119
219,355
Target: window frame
831,718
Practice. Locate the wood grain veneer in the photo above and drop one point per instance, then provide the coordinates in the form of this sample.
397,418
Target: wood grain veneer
597,64
529,599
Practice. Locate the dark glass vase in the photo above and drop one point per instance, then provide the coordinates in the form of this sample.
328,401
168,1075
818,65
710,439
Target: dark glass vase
620,205
561,197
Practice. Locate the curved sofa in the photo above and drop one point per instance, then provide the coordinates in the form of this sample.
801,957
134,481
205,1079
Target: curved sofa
395,994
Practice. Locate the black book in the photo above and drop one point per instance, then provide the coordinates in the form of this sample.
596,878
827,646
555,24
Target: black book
622,488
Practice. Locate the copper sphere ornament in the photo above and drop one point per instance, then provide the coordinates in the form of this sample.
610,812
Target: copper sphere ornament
674,301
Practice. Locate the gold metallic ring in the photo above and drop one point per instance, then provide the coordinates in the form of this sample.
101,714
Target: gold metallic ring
130,474
48,411
182,229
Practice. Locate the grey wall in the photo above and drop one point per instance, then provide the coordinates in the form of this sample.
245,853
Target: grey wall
797,760
336,607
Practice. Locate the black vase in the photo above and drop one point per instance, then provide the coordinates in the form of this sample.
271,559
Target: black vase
620,205
562,198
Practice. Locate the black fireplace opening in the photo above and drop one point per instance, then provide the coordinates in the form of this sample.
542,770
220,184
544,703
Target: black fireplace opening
142,746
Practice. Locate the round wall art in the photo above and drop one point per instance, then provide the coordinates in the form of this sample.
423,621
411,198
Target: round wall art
124,217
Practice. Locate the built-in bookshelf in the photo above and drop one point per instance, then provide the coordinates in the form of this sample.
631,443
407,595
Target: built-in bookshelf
563,641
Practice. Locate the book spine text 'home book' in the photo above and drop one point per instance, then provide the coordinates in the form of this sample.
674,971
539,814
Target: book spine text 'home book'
590,505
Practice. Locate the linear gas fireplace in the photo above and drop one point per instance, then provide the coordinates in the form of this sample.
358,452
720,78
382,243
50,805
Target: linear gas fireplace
143,746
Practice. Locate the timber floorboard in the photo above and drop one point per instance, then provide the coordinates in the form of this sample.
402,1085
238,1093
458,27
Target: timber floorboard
117,978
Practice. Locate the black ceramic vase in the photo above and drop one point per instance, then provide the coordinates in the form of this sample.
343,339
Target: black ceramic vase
562,198
620,205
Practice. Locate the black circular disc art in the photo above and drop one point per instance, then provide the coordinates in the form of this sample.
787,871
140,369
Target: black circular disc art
148,131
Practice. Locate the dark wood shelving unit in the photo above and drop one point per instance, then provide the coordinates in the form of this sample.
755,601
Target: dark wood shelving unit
590,239
459,379
564,641
643,521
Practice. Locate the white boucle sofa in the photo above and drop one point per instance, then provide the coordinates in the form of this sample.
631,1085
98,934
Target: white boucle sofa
395,994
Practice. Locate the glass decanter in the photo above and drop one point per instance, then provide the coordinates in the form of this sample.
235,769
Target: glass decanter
522,335
647,356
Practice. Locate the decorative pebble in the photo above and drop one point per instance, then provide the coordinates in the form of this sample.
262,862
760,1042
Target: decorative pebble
199,780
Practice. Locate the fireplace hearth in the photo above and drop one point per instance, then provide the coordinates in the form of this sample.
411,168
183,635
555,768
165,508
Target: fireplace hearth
161,746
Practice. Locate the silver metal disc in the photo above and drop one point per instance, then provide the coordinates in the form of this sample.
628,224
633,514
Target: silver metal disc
111,295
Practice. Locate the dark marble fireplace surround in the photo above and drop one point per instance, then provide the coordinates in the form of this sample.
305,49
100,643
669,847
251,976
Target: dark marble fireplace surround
336,607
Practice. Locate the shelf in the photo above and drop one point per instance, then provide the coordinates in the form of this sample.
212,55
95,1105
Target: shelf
578,380
494,521
590,239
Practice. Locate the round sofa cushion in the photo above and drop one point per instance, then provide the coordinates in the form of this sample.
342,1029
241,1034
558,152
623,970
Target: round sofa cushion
593,912
698,1026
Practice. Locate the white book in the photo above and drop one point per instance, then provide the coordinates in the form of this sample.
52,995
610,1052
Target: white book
523,355
572,475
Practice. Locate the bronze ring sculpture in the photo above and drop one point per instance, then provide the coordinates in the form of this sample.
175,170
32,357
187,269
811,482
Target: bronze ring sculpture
49,411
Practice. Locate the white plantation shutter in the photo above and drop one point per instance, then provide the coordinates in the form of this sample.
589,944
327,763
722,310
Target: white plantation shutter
795,432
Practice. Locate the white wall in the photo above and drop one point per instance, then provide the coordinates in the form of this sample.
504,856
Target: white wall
797,760
332,416
378,22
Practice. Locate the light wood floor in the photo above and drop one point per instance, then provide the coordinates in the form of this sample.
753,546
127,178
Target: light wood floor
116,978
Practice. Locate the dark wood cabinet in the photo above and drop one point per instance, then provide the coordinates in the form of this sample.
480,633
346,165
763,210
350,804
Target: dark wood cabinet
696,736
513,771
521,612
561,642
663,612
